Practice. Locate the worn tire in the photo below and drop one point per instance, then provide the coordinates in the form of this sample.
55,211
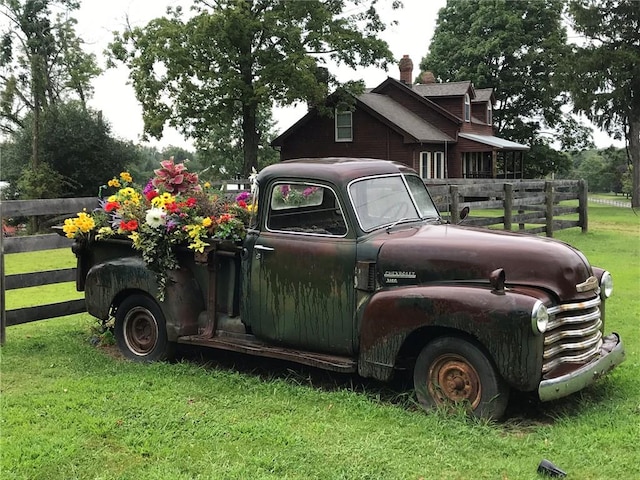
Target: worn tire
451,372
141,330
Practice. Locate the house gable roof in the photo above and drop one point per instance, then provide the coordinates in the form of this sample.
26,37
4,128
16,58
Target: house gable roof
449,89
484,95
393,113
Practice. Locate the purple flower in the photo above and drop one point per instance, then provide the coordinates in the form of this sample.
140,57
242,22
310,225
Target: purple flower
309,191
284,190
243,197
148,187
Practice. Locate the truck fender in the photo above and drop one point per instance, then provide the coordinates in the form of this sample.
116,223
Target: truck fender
397,323
110,282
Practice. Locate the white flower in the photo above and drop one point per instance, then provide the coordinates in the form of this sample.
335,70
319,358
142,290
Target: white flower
156,217
253,180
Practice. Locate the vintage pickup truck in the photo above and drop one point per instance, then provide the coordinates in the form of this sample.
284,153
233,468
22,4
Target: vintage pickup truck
361,274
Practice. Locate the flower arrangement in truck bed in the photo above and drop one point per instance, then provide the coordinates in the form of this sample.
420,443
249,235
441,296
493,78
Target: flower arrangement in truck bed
172,209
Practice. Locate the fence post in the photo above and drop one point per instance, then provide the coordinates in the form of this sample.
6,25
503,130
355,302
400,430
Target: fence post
3,316
508,205
454,194
548,194
583,195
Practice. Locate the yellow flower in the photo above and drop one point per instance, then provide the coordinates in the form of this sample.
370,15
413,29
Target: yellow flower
114,182
126,177
198,245
161,200
207,185
206,222
69,228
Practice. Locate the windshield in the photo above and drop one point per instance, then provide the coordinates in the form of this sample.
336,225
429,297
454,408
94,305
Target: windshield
385,200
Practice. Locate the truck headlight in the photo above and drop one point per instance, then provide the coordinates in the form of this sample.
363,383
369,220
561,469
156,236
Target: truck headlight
606,285
539,318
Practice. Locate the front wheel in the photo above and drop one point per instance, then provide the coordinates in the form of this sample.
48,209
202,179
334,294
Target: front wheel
141,331
452,371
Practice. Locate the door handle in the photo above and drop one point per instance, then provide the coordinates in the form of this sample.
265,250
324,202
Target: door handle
263,248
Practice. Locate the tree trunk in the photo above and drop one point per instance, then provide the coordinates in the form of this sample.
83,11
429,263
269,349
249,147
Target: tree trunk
250,139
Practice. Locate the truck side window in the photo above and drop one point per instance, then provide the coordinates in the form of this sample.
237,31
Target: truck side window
305,208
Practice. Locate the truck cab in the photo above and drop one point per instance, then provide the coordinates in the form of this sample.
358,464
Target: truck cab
347,265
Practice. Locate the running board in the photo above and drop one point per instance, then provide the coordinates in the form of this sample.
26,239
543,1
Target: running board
250,345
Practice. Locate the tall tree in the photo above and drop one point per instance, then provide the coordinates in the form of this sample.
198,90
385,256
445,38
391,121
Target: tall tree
233,57
515,47
77,144
41,63
605,72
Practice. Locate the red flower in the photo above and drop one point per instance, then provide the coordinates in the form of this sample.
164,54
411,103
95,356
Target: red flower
242,204
172,207
129,226
151,194
110,206
191,202
224,218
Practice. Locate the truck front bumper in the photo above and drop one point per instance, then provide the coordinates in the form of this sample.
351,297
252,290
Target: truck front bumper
611,354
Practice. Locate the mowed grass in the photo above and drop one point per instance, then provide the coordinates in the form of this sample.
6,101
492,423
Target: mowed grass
74,411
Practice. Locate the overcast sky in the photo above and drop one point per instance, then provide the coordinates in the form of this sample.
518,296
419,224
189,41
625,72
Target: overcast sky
115,97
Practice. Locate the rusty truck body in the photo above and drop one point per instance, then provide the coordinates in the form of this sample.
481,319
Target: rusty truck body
348,266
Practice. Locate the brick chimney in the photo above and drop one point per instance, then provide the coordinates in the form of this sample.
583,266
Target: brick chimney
406,70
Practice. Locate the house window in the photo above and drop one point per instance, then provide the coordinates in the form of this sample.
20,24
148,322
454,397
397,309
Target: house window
467,108
489,114
344,127
432,165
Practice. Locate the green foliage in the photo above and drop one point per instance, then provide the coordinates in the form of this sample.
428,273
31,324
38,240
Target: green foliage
43,182
42,61
77,144
515,47
229,61
604,71
604,170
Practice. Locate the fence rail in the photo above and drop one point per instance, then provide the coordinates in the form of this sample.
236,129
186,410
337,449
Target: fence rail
523,203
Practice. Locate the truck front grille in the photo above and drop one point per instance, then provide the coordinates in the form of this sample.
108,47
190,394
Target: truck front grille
573,336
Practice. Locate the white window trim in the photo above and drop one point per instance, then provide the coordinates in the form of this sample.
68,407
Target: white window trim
435,160
350,139
467,108
489,114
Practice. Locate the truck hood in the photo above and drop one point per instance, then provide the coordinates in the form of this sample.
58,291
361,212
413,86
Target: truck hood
448,253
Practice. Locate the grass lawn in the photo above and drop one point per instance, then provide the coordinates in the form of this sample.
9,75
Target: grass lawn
70,410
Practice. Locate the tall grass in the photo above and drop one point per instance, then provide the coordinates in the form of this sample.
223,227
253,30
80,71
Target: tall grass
74,411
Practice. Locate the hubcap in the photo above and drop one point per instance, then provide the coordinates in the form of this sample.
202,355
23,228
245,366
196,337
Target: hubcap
453,379
140,331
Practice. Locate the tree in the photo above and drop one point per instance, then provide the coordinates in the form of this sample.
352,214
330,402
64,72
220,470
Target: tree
77,144
516,48
41,64
605,72
232,58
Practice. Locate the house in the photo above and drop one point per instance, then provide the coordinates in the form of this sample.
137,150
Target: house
443,130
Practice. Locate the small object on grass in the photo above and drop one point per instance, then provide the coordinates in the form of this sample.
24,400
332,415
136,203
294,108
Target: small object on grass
549,469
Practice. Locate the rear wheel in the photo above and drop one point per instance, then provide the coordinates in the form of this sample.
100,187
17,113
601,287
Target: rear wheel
451,371
141,331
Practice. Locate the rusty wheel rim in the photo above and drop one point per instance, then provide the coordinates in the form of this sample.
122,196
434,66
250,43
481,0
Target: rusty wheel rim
453,380
140,331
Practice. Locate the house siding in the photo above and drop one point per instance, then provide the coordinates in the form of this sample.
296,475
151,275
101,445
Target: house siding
371,139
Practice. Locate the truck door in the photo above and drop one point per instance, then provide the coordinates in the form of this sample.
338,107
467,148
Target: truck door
302,268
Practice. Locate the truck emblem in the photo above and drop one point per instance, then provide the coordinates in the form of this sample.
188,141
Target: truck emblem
392,276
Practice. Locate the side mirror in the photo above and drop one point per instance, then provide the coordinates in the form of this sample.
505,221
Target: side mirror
464,213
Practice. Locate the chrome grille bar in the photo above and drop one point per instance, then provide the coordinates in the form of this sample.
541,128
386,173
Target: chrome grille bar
574,334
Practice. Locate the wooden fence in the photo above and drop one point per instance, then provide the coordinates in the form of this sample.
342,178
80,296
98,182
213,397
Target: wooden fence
529,202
